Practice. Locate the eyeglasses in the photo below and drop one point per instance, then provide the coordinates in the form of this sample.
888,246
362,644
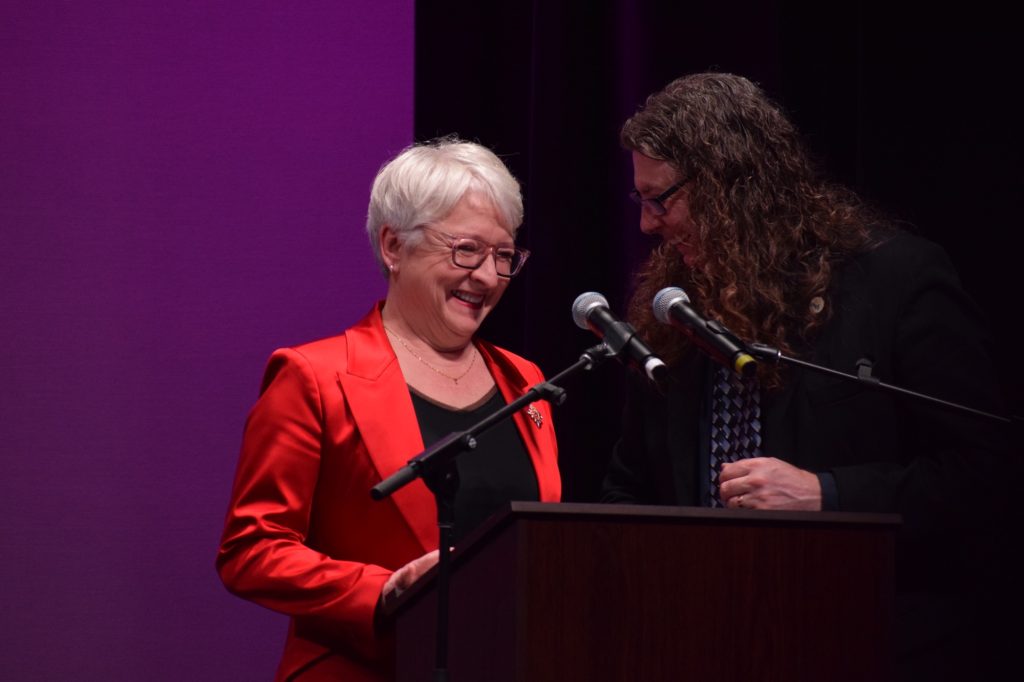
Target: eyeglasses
655,205
469,254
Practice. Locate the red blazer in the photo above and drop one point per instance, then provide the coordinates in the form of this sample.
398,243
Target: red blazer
303,536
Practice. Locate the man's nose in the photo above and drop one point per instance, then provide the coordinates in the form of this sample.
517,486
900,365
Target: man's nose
649,223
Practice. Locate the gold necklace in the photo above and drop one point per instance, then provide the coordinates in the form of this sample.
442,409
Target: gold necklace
416,355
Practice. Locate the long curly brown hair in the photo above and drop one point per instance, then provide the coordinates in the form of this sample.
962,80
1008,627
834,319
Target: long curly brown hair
771,230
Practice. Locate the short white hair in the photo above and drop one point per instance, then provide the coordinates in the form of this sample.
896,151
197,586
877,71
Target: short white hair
424,183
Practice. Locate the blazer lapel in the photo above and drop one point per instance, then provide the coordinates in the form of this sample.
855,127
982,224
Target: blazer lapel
378,397
513,384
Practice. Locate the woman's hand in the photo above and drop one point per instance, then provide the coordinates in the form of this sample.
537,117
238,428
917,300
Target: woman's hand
404,577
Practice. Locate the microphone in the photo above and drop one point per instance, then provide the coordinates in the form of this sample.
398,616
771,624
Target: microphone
672,306
590,311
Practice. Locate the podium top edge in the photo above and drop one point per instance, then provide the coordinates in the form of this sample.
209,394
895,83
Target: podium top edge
637,512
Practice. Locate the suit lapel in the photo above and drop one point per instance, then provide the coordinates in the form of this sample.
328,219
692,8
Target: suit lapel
513,384
378,397
687,458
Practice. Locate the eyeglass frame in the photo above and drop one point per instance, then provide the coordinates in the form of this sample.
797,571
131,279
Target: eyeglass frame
490,250
656,205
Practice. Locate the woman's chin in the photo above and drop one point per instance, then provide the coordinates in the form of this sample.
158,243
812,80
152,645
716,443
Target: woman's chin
464,321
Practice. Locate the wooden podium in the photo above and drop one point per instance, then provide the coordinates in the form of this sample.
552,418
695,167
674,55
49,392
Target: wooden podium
567,592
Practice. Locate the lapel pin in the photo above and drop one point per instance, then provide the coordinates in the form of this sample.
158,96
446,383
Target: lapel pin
535,415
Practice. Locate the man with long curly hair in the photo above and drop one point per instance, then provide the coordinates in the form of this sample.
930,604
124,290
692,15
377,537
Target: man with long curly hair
766,246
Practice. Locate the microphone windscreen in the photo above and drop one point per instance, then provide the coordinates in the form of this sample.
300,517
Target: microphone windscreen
583,304
665,299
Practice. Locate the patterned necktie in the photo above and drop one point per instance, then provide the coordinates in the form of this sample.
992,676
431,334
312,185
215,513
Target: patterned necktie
735,422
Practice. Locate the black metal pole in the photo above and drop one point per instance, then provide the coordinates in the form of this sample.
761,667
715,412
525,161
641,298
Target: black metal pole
436,466
444,483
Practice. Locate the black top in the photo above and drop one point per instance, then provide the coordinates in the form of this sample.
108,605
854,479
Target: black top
498,471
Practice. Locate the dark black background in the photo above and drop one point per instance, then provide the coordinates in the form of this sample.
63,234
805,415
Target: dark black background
917,110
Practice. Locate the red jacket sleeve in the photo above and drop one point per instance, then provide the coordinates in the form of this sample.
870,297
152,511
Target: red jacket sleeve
263,554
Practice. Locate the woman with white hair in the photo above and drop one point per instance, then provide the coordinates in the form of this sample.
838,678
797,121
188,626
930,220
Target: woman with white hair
337,416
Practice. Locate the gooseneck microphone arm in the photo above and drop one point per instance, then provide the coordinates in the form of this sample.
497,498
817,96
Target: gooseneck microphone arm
454,444
866,378
672,306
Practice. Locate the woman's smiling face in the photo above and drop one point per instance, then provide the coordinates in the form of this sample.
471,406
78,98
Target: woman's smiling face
441,302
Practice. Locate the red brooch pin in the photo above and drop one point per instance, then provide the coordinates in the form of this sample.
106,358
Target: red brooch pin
535,415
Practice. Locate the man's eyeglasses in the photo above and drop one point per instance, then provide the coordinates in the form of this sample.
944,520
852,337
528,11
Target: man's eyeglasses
656,205
469,254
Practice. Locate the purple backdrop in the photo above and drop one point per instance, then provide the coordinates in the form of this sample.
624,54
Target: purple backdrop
183,189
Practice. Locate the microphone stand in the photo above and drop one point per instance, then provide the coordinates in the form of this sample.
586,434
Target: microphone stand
436,466
866,378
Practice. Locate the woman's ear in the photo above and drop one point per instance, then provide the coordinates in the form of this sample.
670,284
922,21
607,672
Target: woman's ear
390,247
